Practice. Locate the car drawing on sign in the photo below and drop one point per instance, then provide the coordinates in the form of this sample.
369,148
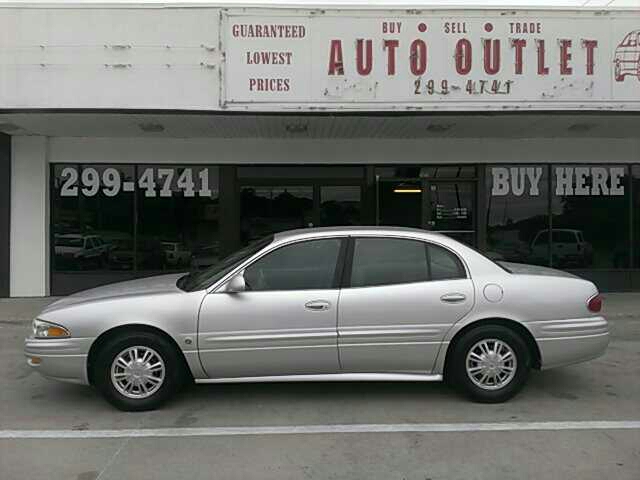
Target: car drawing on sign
568,248
81,250
626,59
326,304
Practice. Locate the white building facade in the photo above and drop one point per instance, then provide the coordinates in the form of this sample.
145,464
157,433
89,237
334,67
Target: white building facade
140,139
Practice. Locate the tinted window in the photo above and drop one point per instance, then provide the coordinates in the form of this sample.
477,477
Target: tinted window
590,204
300,266
563,236
444,265
388,261
542,238
517,199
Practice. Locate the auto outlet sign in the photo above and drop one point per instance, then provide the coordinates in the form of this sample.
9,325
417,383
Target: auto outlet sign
431,60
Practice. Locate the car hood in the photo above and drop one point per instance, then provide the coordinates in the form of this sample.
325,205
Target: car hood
143,286
525,269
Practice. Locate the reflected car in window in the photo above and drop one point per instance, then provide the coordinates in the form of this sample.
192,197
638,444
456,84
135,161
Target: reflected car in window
568,248
338,304
81,250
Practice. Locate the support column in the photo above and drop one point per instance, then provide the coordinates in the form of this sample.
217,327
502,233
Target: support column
29,217
5,213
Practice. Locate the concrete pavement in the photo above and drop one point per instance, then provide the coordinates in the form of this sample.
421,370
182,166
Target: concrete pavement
605,389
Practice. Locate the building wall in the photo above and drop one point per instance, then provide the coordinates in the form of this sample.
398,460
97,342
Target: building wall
152,57
29,217
343,151
116,58
5,213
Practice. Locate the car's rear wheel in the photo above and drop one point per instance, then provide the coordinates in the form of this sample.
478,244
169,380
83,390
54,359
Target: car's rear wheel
490,363
618,72
138,371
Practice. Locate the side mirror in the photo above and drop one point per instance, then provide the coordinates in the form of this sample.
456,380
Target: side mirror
236,284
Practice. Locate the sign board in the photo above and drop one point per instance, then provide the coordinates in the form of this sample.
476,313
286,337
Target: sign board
431,60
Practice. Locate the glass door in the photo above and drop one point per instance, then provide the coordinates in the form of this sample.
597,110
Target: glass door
444,206
449,209
266,209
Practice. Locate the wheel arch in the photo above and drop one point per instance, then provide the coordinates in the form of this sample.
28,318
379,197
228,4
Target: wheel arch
107,335
513,325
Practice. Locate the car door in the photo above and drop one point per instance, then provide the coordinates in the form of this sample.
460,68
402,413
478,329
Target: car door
285,323
400,297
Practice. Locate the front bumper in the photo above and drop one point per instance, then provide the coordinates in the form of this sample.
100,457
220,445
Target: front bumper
565,342
63,359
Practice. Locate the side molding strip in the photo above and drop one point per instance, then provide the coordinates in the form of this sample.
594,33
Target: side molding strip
331,377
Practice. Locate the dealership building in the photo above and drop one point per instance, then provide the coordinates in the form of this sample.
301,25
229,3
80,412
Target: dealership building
142,138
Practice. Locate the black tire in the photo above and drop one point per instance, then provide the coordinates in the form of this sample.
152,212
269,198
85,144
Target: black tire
458,372
174,377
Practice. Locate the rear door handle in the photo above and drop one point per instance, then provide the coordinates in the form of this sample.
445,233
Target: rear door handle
317,305
453,298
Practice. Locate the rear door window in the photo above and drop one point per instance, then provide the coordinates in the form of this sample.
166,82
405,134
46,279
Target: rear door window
388,261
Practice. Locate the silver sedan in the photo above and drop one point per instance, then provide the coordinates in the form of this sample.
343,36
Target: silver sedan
329,304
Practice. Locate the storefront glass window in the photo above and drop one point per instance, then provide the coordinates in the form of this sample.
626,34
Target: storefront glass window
178,216
92,224
636,215
270,209
590,209
111,224
517,213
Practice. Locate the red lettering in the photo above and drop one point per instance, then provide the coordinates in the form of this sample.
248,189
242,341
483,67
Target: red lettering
463,56
364,68
542,68
565,56
491,60
590,45
391,46
336,65
519,44
418,56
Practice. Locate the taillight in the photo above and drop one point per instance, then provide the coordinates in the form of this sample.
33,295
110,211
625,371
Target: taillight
595,303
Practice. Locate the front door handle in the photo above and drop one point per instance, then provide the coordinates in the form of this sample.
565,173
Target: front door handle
453,298
317,305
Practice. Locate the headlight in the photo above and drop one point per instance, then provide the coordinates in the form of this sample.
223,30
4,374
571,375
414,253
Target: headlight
42,329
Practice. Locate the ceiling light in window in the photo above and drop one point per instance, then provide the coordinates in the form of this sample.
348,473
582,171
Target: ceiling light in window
407,188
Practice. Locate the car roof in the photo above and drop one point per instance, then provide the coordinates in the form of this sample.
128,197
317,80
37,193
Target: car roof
355,231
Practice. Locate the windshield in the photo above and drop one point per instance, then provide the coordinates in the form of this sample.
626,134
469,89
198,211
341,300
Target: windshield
201,280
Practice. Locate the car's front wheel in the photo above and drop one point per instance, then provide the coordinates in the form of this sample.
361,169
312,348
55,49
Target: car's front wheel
138,371
490,363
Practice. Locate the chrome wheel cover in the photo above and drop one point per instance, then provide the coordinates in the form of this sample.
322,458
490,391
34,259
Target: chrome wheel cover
491,364
138,372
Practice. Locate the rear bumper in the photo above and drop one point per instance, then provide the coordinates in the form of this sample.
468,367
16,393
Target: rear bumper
59,359
564,342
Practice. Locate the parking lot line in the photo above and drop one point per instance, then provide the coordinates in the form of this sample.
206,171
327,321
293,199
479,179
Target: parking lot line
322,429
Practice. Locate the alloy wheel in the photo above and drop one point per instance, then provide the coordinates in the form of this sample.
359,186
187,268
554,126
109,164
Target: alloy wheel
138,372
491,364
